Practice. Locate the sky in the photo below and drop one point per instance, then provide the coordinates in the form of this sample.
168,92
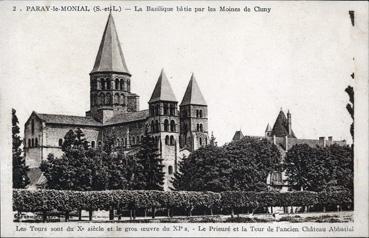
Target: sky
298,57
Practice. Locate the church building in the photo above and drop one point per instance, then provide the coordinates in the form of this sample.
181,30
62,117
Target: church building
115,113
282,135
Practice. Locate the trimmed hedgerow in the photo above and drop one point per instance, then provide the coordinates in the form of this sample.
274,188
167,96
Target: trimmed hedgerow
61,200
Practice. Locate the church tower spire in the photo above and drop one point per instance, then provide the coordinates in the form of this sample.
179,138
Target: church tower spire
110,80
163,123
110,56
193,117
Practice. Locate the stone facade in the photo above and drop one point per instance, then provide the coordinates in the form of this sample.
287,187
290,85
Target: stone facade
115,113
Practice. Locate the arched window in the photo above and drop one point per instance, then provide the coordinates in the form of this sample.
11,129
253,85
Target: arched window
36,142
206,141
197,113
200,113
116,84
152,110
157,129
102,99
60,142
108,84
152,127
172,126
165,109
172,142
123,99
29,143
201,127
125,142
157,110
172,110
128,83
170,169
200,140
102,84
108,99
121,84
92,144
138,139
133,140
99,143
117,98
166,125
142,137
197,127
167,140
33,142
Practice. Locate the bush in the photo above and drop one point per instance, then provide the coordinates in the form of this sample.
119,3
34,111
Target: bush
67,201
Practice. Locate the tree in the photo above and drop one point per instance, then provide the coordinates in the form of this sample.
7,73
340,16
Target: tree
252,160
350,108
149,174
83,168
317,168
240,165
20,178
206,169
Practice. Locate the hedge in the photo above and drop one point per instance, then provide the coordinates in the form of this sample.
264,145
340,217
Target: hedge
61,200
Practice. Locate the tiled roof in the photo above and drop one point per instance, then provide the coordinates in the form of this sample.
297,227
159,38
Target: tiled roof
68,120
238,135
280,127
193,94
110,56
162,91
128,117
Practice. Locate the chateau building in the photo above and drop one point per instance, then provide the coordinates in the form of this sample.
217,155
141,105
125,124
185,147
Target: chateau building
282,135
115,113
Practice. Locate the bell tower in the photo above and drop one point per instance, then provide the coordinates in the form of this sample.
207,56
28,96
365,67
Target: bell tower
194,118
164,125
110,80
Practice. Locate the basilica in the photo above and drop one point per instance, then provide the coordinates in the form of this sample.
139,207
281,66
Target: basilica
115,112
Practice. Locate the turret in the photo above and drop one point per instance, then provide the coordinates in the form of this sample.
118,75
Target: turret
194,117
163,123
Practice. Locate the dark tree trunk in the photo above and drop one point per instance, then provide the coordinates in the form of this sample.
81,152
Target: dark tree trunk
168,212
67,216
271,210
111,214
79,214
324,209
90,215
130,214
44,217
153,212
211,211
134,214
232,212
145,212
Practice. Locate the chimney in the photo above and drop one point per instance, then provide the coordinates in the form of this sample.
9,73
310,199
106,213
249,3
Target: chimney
330,140
322,141
289,120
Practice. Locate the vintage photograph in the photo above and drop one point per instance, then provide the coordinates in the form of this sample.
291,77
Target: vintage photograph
182,112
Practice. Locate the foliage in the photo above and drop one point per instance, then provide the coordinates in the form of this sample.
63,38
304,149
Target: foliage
20,178
315,168
206,169
350,107
83,168
240,165
149,172
63,200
